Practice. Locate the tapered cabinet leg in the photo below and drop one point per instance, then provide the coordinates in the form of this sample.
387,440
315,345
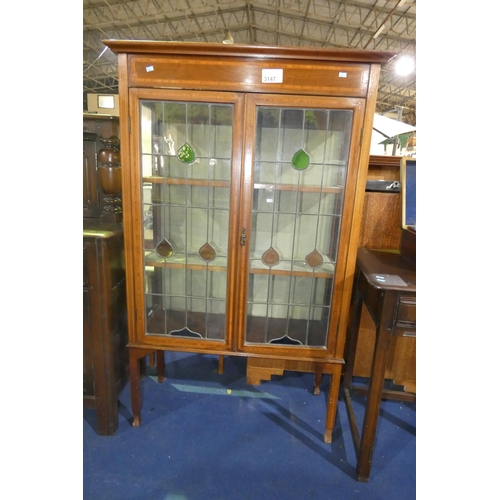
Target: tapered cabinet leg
152,360
135,356
221,365
331,409
353,334
318,377
160,366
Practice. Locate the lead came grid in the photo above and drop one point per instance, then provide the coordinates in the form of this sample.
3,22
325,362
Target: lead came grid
186,160
300,168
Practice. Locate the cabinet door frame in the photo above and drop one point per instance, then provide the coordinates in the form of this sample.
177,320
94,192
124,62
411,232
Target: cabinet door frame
252,102
133,225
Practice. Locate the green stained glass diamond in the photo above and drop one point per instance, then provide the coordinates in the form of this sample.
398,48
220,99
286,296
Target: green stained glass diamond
186,153
300,160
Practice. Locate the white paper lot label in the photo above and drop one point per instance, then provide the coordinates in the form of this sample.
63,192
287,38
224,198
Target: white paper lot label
272,75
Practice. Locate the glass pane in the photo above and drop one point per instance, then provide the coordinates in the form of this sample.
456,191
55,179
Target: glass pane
186,166
299,178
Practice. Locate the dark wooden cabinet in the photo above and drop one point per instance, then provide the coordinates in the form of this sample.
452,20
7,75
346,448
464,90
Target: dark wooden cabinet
243,180
104,322
105,363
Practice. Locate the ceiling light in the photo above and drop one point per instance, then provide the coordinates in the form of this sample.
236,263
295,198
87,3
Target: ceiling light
228,39
377,33
404,65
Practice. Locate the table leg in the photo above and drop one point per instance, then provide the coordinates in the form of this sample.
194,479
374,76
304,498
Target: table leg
376,385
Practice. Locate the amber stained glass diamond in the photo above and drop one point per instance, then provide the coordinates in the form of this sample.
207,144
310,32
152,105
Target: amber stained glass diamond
207,252
314,259
164,248
270,257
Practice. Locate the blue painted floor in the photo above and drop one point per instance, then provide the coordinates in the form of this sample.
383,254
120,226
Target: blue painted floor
206,436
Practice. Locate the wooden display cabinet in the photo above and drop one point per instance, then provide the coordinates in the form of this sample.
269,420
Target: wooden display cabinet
244,170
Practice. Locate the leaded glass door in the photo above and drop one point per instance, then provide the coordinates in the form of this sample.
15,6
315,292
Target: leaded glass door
186,153
297,174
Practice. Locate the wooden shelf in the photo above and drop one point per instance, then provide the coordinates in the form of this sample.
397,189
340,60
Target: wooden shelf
219,264
302,189
188,182
226,184
299,268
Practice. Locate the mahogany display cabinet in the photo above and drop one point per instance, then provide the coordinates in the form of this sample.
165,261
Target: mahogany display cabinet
243,170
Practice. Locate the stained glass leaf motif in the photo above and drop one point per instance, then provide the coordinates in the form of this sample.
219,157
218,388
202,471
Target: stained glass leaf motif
314,259
207,252
164,248
300,160
270,257
186,153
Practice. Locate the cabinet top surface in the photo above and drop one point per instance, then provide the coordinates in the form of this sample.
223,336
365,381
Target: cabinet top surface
247,51
100,116
96,229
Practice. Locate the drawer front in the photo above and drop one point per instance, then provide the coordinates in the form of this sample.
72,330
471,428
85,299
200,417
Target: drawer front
211,73
406,318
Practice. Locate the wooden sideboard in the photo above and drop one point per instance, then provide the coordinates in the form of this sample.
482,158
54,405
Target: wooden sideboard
105,360
104,322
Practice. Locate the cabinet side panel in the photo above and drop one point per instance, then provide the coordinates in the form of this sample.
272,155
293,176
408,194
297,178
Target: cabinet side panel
88,368
362,173
127,189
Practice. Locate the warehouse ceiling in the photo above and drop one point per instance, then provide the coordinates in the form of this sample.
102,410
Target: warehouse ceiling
387,25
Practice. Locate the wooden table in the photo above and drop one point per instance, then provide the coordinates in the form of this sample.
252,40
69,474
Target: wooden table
386,283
